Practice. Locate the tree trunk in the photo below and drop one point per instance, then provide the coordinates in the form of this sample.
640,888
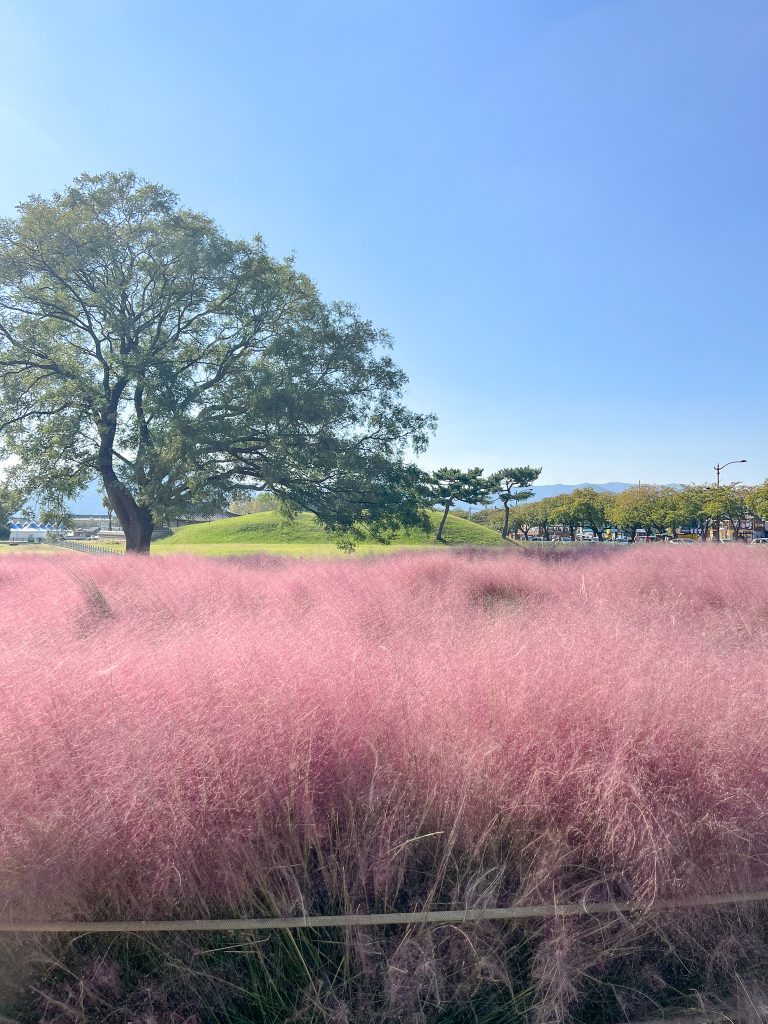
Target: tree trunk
138,535
136,520
439,534
505,531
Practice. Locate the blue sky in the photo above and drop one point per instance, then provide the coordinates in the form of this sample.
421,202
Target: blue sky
559,209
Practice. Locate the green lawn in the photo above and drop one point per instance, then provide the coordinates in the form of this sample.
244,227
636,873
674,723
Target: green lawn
268,532
26,549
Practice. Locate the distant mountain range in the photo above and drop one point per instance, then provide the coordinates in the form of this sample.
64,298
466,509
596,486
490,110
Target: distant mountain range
550,490
89,501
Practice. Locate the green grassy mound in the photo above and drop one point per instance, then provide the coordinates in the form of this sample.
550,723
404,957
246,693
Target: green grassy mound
268,530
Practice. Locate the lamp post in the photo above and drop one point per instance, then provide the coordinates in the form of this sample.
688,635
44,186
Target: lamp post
718,467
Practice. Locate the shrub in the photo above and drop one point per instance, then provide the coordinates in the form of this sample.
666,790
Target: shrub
184,738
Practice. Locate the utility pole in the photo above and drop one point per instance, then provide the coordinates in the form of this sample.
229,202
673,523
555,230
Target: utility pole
718,467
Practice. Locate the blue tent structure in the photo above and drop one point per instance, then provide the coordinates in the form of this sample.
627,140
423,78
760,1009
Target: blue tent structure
32,533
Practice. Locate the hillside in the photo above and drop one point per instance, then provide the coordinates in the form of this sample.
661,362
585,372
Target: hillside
270,531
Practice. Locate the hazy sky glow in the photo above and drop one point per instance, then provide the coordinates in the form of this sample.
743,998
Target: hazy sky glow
559,210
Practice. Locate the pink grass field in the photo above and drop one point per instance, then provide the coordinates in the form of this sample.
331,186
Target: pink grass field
189,738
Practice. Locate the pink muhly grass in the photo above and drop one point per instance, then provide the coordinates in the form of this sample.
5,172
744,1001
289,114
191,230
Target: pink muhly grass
186,738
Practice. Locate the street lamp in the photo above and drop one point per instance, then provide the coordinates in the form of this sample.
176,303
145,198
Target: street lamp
718,467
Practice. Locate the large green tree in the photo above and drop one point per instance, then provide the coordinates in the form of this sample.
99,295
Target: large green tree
447,485
647,507
724,502
569,513
10,504
140,345
542,514
690,502
702,507
520,520
757,500
593,508
513,484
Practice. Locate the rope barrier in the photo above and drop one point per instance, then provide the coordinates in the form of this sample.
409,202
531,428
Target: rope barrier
543,911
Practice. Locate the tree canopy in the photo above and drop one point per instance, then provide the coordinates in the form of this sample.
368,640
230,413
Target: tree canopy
513,484
140,345
447,485
757,499
10,504
594,508
647,507
656,509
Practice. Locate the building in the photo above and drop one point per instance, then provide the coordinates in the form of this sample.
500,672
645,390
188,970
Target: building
29,533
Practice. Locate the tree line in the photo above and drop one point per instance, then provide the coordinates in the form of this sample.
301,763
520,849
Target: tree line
652,508
185,370
448,487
